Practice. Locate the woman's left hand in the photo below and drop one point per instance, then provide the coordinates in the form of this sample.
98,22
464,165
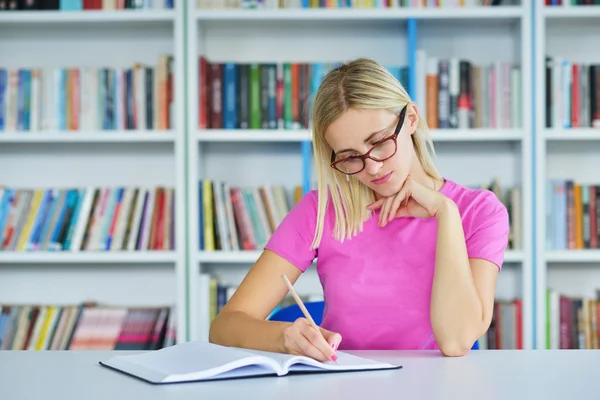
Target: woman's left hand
413,200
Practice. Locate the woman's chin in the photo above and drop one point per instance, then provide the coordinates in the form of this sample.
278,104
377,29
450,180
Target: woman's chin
385,190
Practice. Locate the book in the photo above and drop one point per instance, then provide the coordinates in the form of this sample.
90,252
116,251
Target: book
86,326
87,99
204,361
74,219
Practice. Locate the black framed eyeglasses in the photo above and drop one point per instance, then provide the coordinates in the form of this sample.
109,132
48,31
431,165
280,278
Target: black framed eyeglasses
381,151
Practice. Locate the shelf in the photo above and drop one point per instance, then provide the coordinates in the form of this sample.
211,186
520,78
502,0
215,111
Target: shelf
133,257
259,135
228,256
571,12
310,15
513,256
249,135
476,135
88,137
572,134
60,17
246,257
578,256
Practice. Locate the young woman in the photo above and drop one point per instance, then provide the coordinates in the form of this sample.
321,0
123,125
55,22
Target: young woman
407,259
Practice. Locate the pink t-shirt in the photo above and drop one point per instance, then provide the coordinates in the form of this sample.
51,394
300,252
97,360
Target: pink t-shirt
377,285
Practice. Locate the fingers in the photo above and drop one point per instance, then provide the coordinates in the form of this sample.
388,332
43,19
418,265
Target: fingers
334,339
397,204
376,204
391,206
316,346
301,338
384,210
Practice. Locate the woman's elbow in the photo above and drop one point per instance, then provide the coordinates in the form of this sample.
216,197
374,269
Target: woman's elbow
454,348
214,332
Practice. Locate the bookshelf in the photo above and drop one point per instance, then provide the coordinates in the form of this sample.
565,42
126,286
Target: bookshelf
105,155
525,156
254,157
567,147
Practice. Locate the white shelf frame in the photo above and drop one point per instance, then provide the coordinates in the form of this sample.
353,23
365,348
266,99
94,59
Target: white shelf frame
247,257
544,259
571,134
520,15
399,14
176,259
92,16
572,256
284,135
89,137
88,257
569,12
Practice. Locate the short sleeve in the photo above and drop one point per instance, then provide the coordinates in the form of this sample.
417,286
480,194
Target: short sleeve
294,235
489,230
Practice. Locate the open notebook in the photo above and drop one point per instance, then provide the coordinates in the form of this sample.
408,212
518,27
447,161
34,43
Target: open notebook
200,361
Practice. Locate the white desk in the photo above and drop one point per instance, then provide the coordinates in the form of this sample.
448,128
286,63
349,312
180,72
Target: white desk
481,375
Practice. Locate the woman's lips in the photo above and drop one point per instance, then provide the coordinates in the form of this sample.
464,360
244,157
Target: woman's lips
383,179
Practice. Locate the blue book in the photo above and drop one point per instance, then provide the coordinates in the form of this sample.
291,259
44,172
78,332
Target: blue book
230,86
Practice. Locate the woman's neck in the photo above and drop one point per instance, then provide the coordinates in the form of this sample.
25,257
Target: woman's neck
418,174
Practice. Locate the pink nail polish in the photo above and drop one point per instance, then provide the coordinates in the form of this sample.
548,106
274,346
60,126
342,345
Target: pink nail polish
334,346
334,357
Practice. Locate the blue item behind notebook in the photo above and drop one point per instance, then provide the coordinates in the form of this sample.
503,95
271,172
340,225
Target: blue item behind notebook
315,309
293,312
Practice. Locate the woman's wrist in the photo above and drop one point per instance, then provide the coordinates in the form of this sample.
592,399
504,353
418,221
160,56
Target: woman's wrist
445,208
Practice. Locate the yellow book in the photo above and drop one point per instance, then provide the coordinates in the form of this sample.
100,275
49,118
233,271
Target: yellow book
208,217
45,331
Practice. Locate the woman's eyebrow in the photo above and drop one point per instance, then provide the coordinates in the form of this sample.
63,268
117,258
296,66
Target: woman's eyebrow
367,140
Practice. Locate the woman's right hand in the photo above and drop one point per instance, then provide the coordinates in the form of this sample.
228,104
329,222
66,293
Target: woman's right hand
300,338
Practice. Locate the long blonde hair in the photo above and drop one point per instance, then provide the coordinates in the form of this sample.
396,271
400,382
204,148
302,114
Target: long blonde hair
360,84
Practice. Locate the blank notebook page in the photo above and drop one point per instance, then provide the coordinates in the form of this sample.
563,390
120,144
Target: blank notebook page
187,358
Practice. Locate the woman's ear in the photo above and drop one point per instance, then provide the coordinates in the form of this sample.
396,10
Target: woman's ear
412,117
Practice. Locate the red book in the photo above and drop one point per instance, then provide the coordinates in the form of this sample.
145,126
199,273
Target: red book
202,92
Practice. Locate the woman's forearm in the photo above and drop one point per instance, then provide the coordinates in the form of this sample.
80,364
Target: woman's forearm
456,308
238,329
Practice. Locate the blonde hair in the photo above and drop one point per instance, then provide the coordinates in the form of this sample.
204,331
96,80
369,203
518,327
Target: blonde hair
360,84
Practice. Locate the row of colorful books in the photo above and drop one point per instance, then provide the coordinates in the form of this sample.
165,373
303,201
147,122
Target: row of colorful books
457,93
244,218
551,3
572,321
240,218
276,95
274,4
93,219
87,326
84,5
572,215
461,94
572,93
87,98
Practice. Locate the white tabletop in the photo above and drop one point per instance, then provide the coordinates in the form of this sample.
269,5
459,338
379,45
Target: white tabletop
481,375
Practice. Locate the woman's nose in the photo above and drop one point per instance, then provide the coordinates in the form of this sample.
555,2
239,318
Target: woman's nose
372,166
